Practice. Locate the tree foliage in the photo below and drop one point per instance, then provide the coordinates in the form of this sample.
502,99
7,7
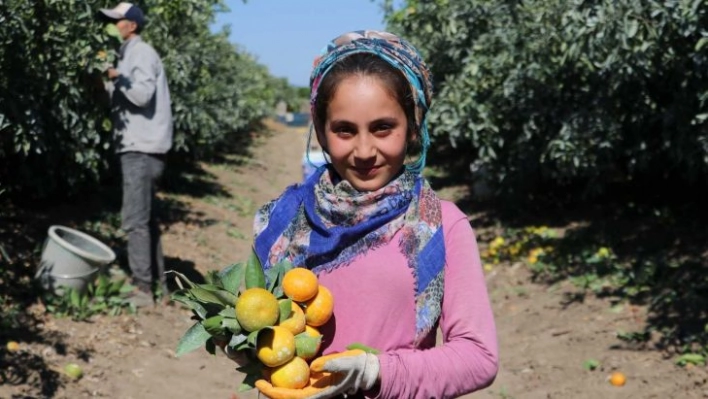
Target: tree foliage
556,93
55,135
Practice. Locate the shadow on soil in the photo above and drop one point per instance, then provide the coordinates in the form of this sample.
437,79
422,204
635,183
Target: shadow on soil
183,175
28,368
185,267
660,256
23,230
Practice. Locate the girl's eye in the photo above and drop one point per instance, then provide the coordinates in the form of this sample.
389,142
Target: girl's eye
384,127
343,129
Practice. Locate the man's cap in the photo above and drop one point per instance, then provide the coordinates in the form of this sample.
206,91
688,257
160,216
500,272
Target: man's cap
127,11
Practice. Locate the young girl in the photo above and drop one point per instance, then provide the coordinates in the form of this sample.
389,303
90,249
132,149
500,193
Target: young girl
399,261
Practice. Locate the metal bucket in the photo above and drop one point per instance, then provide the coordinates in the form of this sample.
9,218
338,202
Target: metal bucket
71,259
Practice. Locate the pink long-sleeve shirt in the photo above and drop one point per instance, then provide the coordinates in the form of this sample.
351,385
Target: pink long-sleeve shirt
374,305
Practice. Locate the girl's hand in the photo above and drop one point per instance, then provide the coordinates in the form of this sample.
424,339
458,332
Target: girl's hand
330,376
321,386
358,369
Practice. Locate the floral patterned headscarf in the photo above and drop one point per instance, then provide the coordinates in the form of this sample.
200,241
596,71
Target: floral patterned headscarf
397,52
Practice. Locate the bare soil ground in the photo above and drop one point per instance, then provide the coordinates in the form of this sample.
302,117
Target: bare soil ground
545,332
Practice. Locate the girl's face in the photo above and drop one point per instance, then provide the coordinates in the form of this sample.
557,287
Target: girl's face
365,133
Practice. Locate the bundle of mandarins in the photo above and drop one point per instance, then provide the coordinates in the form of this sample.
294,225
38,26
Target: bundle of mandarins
269,318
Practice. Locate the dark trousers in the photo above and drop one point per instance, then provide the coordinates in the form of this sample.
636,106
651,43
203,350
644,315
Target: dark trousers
141,173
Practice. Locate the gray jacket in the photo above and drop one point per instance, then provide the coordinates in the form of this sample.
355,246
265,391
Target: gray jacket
141,107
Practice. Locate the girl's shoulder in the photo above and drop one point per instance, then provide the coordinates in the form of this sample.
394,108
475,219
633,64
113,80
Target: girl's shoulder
451,212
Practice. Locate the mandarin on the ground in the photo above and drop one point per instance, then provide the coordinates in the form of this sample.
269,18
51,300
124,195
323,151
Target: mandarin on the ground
275,346
318,310
617,379
294,374
300,284
256,308
13,346
296,322
74,371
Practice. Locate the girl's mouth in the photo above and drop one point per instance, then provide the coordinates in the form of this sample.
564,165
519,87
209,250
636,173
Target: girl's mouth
367,171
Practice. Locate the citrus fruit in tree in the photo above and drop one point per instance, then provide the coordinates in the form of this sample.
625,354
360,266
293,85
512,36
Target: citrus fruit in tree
13,346
300,284
296,322
256,308
318,310
617,379
294,374
275,346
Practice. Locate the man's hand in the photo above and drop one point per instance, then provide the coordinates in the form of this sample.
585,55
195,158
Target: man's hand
112,73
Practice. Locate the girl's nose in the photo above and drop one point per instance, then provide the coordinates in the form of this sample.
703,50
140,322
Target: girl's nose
365,147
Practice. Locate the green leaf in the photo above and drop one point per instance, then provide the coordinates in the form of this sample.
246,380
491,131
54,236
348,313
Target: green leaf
692,358
365,348
228,311
183,277
591,364
224,296
194,338
213,325
632,28
103,285
286,308
255,278
75,298
306,346
190,303
239,341
213,278
275,277
112,30
205,295
232,277
106,125
231,325
252,338
120,287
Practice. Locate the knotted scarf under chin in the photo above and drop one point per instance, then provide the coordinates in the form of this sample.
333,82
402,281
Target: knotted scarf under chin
322,226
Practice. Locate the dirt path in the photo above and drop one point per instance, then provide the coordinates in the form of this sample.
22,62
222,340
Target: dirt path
545,333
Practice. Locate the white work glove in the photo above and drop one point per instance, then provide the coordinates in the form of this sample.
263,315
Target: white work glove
358,371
